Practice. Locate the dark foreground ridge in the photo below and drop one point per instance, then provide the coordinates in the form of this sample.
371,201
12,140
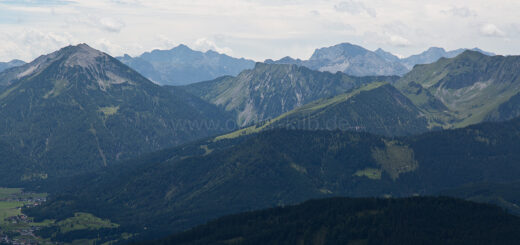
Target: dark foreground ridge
420,220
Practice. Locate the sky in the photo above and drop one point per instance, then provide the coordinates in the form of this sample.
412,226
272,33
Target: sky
257,29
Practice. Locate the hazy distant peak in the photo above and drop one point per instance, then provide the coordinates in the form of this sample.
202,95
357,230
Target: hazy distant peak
11,64
337,51
182,46
435,49
285,60
17,62
435,53
387,55
183,65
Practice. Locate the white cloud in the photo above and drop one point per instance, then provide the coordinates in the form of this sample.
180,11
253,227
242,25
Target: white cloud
29,44
257,29
136,2
205,44
108,47
107,24
396,40
463,12
314,13
491,30
111,24
35,2
354,7
386,40
165,42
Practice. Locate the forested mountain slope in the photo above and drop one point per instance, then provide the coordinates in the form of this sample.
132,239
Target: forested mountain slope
419,220
79,109
191,184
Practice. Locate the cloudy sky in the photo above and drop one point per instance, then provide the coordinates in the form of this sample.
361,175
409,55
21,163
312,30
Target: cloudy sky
257,29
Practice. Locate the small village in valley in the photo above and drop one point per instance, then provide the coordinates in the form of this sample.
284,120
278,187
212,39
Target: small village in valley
15,227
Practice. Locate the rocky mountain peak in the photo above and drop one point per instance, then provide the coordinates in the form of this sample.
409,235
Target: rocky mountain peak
81,55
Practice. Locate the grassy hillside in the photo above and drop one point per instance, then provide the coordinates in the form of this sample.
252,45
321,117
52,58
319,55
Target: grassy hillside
472,87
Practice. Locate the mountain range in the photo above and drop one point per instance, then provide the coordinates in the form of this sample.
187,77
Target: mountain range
358,61
433,54
182,65
79,109
450,93
269,90
350,59
153,160
100,100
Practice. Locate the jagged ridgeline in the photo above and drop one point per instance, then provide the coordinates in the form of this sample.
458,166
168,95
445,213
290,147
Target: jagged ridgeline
377,108
269,90
79,109
450,93
350,59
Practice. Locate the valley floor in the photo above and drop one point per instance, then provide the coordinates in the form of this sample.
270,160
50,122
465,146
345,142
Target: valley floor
16,227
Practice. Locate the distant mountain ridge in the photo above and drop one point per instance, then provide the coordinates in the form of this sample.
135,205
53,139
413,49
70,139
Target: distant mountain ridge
350,59
182,65
433,54
358,61
6,65
10,64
